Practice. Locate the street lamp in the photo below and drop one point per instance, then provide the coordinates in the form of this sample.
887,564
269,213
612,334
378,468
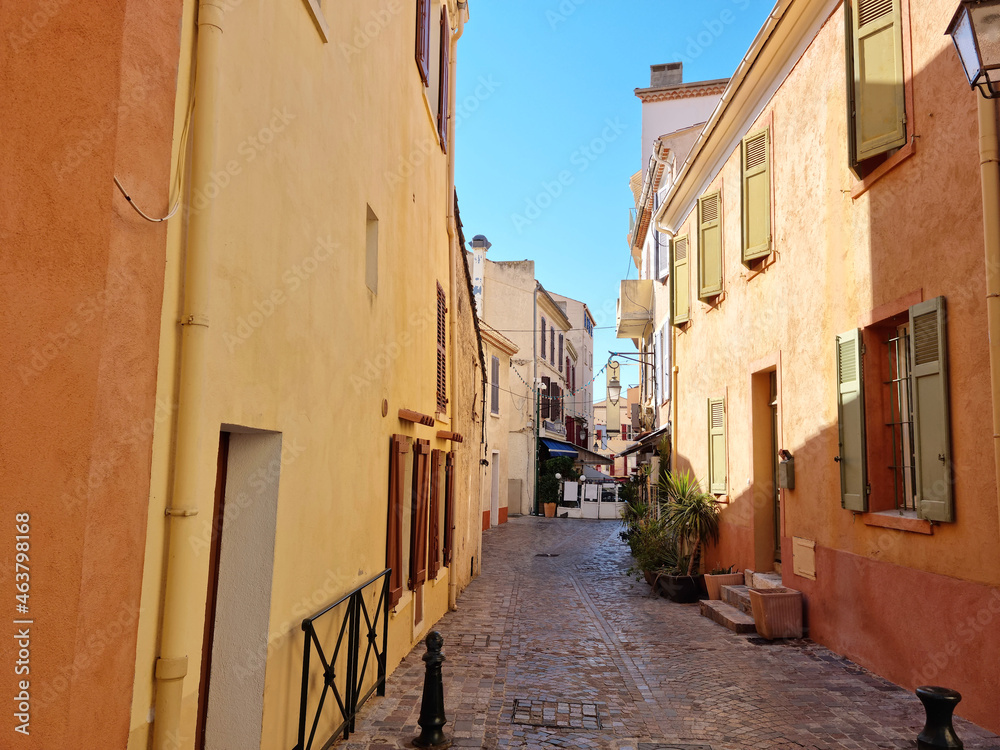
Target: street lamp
614,385
975,30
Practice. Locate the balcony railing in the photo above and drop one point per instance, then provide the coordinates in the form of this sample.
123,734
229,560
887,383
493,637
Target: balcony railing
343,674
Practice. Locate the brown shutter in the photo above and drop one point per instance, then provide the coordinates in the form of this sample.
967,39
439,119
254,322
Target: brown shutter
418,525
442,352
399,447
449,508
546,398
434,545
423,45
561,352
444,91
543,338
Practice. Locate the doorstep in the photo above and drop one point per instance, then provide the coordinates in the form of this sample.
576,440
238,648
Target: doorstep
727,616
738,597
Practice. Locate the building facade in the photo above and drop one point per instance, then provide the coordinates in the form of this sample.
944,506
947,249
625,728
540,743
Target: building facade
501,401
833,319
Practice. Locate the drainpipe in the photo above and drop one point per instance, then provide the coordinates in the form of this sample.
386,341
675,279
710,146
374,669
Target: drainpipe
452,225
534,381
989,160
182,594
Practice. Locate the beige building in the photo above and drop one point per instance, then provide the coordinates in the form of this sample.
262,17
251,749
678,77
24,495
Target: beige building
500,403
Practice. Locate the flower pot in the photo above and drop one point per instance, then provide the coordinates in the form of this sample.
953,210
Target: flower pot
714,583
777,613
550,510
650,577
680,589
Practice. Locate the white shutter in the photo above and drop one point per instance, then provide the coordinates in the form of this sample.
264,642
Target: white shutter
658,359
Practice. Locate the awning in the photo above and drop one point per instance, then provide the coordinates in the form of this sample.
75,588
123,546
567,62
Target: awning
558,448
650,439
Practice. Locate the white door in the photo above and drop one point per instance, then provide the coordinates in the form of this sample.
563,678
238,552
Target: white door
610,508
591,501
495,490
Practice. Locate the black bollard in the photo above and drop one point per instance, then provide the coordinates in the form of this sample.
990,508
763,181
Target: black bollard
939,703
432,719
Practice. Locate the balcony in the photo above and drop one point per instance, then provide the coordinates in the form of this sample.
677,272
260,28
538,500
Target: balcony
635,308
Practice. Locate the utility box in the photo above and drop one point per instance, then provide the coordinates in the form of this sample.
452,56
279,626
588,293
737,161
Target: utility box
786,473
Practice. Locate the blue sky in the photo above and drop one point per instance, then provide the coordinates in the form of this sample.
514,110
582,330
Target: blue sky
548,128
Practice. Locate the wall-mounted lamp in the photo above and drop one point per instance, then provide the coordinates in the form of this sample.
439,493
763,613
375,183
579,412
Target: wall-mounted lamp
975,30
614,385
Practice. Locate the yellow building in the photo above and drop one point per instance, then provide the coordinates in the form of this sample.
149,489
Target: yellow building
318,341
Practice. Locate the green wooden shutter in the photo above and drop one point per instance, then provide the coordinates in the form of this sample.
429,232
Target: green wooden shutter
851,421
756,168
931,424
877,102
682,281
717,446
709,245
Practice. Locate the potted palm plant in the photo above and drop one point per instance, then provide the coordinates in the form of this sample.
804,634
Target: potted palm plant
692,518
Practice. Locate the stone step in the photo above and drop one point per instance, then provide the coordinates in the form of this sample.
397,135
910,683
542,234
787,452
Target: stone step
762,580
738,597
727,616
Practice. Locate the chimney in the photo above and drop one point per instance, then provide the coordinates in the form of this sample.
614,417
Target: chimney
479,247
668,74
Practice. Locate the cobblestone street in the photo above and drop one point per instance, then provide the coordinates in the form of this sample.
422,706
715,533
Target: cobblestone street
567,651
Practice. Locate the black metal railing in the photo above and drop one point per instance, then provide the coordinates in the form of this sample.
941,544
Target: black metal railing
359,626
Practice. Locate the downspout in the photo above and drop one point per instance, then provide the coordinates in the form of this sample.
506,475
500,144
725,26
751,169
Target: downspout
989,154
454,249
181,589
534,393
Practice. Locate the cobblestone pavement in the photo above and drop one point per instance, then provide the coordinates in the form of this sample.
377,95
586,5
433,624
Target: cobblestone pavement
569,652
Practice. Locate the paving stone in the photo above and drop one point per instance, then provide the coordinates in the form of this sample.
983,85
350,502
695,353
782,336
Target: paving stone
587,649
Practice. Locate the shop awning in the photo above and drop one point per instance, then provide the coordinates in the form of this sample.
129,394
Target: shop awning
647,441
559,448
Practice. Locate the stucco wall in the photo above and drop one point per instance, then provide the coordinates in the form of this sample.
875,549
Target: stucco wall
88,94
837,261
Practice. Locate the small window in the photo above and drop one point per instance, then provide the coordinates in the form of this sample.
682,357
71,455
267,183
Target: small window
495,386
371,251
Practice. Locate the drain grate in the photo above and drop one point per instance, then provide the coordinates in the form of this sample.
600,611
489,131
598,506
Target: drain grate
547,554
559,714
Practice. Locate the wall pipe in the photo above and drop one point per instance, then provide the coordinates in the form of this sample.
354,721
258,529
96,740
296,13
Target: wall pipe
181,597
454,250
989,165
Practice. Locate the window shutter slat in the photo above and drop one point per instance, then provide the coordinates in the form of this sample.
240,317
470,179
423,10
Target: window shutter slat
931,422
851,422
434,542
442,351
709,246
878,113
681,285
423,42
717,446
449,508
418,526
398,450
756,163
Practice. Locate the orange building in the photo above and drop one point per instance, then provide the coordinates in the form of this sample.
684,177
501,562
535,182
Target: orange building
89,93
829,300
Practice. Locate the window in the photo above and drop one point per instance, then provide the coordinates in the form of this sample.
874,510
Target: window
495,386
418,507
371,251
398,474
423,44
442,351
661,253
717,446
435,545
444,76
710,245
588,325
560,360
908,427
552,347
449,508
624,430
542,347
755,161
681,285
546,396
876,98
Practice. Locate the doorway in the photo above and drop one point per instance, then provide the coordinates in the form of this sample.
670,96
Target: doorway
766,437
495,489
238,599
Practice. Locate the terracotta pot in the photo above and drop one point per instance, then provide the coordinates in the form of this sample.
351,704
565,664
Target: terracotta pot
550,510
777,613
714,583
650,577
